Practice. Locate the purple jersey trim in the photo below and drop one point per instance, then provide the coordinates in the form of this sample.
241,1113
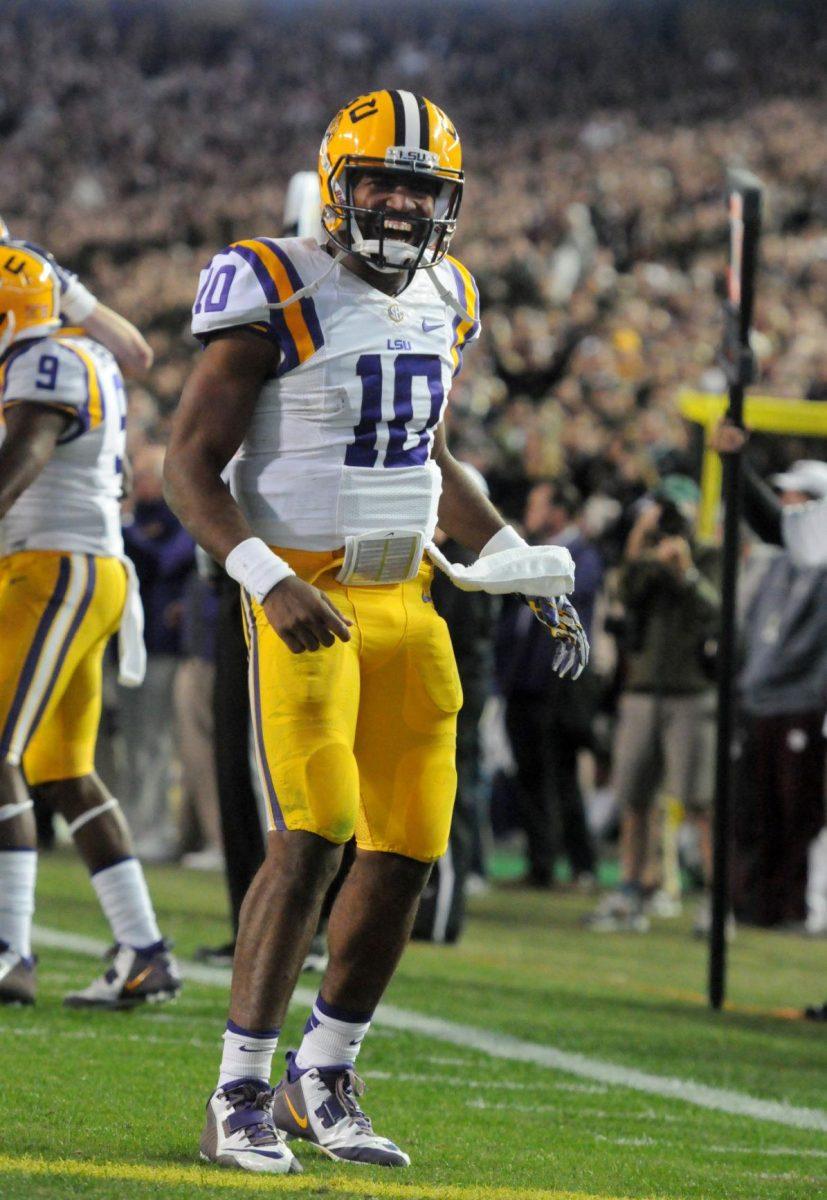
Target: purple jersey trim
289,352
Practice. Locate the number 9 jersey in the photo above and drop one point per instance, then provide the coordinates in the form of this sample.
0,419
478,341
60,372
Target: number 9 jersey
341,437
74,503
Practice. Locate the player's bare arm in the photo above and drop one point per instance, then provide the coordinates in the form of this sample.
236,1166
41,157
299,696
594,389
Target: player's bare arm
120,336
465,514
32,432
215,411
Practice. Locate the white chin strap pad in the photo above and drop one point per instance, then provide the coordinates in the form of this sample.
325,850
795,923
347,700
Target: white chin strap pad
397,254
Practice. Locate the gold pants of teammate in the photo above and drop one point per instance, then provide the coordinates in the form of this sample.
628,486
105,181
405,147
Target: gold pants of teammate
359,737
57,612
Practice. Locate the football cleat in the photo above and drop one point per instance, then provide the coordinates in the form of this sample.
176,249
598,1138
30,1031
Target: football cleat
17,977
135,977
619,912
239,1130
321,1106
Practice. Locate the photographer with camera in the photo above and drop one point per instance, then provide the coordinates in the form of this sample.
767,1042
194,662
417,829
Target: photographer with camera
664,740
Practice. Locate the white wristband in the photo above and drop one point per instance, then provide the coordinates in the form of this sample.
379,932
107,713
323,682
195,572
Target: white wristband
77,302
254,565
506,538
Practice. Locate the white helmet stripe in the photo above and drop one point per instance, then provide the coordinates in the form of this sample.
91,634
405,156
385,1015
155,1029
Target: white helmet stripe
411,110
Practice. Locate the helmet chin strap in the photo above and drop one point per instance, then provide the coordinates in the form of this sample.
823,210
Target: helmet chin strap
369,246
446,294
313,287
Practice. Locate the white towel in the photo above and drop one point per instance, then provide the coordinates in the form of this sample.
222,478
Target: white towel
546,571
131,648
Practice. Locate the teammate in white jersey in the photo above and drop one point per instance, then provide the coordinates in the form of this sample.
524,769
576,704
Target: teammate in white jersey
81,310
325,378
65,589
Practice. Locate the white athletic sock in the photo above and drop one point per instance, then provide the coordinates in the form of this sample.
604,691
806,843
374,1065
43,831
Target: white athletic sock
332,1036
125,901
247,1054
18,870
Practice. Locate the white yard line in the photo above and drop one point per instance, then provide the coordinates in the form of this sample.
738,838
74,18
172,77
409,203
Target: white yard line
499,1045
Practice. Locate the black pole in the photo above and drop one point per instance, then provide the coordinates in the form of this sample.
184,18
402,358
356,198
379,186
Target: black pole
744,200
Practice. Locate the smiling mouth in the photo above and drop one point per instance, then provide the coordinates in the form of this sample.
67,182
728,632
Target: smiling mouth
399,230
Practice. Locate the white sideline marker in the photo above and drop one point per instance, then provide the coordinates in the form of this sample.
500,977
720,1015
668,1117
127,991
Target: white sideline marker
498,1045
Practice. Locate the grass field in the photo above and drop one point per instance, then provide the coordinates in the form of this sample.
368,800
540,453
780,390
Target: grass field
109,1106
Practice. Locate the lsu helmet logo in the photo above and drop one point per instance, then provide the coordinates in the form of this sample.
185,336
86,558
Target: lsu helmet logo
399,133
29,296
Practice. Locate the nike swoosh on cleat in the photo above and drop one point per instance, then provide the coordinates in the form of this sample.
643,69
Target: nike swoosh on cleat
300,1121
430,326
131,984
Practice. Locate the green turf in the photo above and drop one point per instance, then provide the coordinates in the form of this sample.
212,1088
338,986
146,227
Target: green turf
128,1088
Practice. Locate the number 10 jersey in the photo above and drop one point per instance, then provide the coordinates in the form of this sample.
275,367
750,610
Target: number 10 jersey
340,441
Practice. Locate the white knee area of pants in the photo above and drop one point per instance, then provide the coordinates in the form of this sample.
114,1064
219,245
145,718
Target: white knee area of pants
18,871
9,811
91,814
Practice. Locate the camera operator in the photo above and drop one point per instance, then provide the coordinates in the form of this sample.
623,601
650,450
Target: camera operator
664,738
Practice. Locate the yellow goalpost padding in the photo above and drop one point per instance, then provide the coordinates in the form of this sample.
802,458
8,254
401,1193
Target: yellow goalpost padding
764,414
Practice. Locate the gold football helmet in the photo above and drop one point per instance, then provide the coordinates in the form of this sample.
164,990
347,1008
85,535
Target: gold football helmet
403,134
29,296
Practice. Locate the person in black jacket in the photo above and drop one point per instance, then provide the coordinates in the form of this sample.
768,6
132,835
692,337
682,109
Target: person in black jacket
800,524
548,720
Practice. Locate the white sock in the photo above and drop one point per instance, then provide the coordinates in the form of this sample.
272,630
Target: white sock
18,870
332,1036
125,901
247,1054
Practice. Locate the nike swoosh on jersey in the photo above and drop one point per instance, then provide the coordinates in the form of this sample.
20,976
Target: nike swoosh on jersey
300,1121
430,326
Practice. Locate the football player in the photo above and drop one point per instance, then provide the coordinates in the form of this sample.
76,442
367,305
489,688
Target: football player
65,589
80,310
325,376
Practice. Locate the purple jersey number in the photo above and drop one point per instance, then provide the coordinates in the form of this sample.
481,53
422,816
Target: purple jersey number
215,290
362,452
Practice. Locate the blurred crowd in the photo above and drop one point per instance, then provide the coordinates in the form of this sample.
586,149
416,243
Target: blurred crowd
140,137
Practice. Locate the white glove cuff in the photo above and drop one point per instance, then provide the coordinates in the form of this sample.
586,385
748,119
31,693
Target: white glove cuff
77,302
254,565
506,538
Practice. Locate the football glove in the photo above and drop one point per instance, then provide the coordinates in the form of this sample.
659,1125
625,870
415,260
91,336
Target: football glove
561,620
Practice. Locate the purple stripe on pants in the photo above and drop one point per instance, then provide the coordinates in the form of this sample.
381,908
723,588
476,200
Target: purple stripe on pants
33,657
267,779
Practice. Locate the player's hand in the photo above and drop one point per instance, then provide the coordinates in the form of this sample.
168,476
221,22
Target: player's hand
560,618
674,553
728,438
303,616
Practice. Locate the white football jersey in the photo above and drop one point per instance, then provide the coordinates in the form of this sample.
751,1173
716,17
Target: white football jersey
74,503
341,438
